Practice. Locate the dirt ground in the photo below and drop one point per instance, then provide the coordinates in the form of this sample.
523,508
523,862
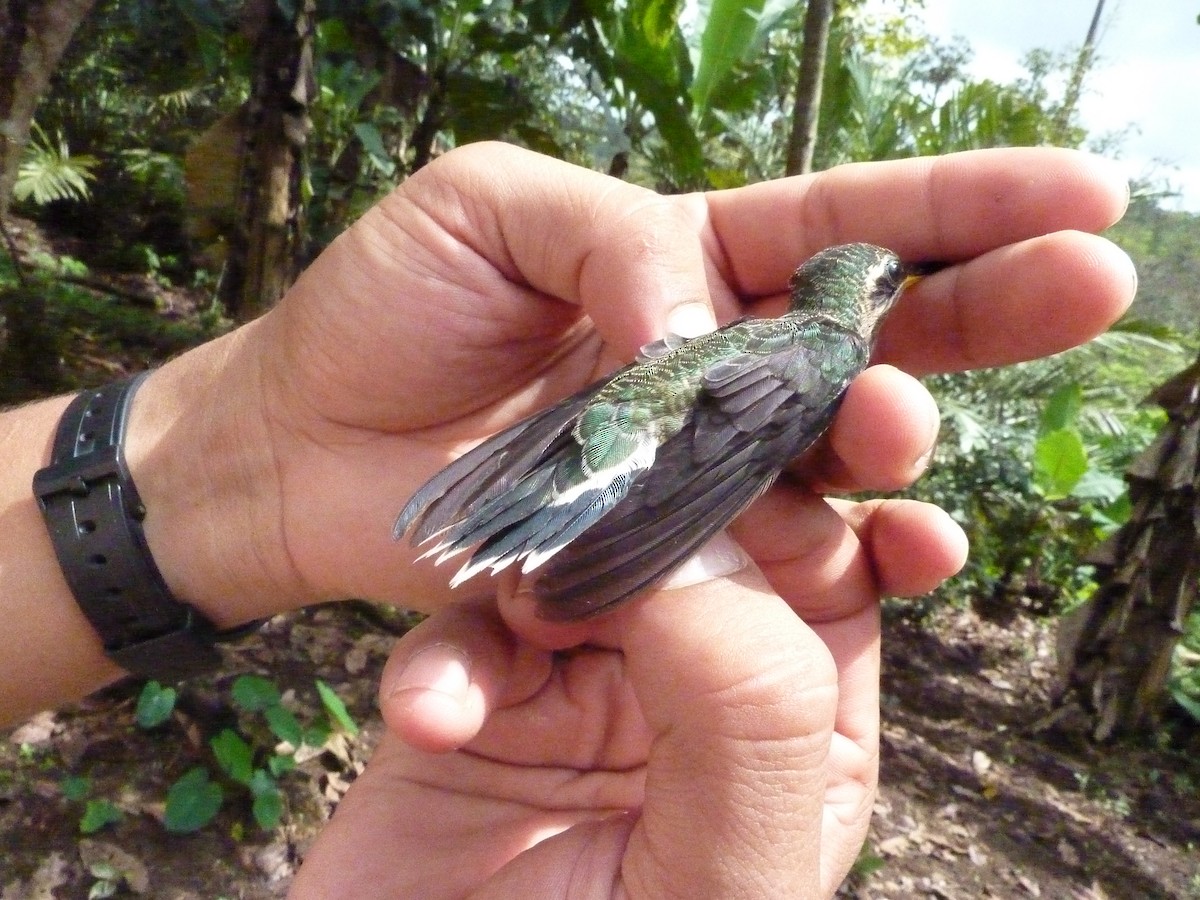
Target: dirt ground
973,803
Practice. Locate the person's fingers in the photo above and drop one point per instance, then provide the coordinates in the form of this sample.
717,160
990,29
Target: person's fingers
830,561
482,266
630,257
881,439
831,558
947,208
1022,301
581,863
913,546
740,697
450,672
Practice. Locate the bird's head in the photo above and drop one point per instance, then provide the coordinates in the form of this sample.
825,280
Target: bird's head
854,284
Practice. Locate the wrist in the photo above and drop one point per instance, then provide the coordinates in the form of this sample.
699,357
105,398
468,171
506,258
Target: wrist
197,448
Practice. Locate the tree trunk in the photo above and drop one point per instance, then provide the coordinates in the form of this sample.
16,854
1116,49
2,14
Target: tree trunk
265,251
1115,651
33,37
1083,64
806,112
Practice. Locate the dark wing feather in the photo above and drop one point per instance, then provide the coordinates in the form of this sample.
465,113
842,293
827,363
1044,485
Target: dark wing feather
488,470
756,413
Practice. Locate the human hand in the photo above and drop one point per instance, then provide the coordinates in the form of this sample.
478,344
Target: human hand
719,740
496,281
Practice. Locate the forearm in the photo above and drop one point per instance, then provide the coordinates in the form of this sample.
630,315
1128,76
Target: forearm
190,447
50,652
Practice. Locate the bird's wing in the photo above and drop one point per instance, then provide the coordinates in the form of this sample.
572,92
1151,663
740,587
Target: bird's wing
526,492
488,470
757,411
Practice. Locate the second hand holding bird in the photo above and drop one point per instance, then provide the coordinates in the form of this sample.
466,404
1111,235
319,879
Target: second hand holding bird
615,487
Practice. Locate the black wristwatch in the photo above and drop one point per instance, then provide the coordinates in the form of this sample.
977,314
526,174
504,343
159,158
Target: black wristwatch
94,516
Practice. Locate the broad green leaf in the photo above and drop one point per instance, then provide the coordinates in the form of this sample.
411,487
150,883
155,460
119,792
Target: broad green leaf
1062,409
728,33
268,799
1059,461
192,802
99,814
372,141
268,808
659,74
656,19
155,704
284,725
253,693
334,37
234,755
281,763
336,708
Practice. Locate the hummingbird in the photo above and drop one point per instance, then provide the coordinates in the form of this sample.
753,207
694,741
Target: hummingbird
603,494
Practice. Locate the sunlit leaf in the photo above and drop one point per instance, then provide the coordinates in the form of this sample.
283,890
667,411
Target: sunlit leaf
336,708
1059,461
1062,409
728,32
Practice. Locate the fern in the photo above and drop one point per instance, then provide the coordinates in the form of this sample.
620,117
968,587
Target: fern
49,172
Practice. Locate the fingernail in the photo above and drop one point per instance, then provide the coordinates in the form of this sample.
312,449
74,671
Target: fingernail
933,429
922,462
691,320
438,667
721,556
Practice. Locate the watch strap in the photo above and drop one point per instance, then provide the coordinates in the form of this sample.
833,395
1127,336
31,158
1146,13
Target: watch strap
94,516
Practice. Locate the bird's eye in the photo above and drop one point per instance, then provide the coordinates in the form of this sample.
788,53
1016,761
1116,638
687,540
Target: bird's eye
895,271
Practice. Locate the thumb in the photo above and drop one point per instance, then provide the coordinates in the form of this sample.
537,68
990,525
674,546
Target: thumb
740,697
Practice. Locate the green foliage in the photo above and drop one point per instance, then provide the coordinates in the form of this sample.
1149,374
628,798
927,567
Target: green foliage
155,705
98,813
653,62
1059,457
75,788
1031,463
1166,246
248,760
253,693
192,802
1184,683
48,172
336,709
234,756
868,862
729,32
